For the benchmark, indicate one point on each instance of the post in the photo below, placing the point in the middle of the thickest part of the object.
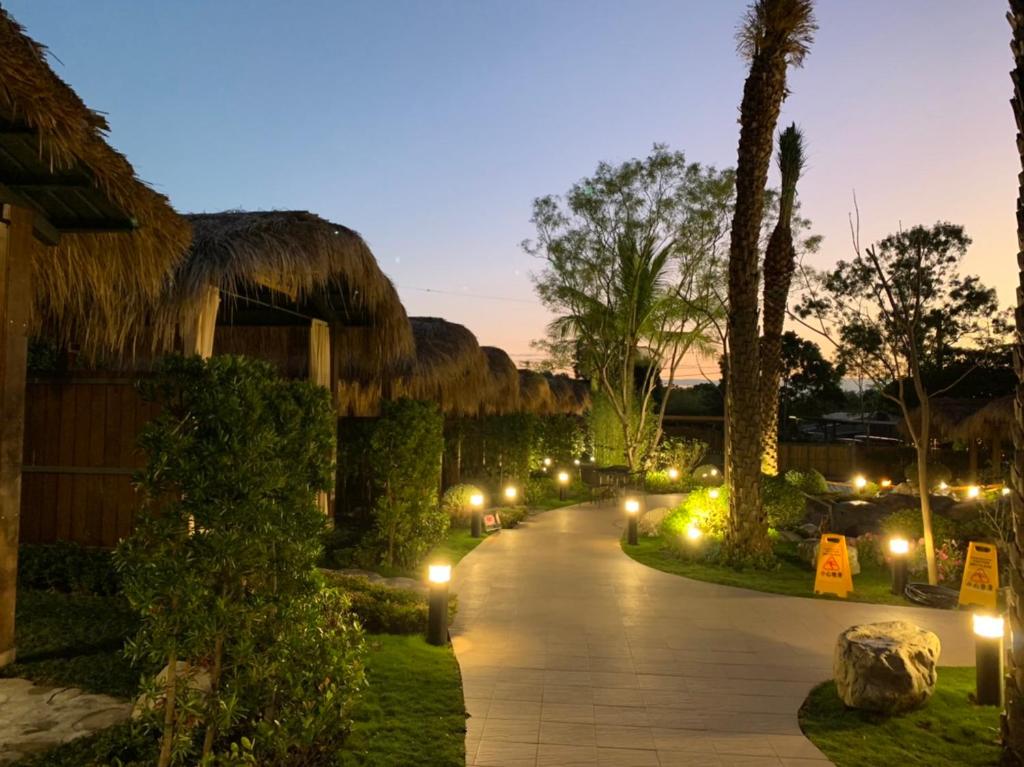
(15, 298)
(988, 659)
(437, 615)
(632, 513)
(899, 548)
(476, 502)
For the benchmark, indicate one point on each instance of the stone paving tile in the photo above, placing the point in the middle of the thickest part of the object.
(572, 654)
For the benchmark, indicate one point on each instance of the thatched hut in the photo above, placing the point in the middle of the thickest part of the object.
(85, 248)
(947, 413)
(502, 392)
(991, 424)
(449, 368)
(535, 394)
(571, 395)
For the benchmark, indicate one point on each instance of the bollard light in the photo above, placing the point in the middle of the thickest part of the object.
(593, 459)
(437, 615)
(576, 461)
(943, 486)
(563, 480)
(713, 493)
(1005, 491)
(886, 483)
(673, 473)
(714, 472)
(633, 510)
(547, 461)
(476, 501)
(899, 547)
(511, 493)
(860, 482)
(988, 659)
(973, 491)
(693, 533)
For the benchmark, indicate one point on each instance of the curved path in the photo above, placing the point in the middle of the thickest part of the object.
(573, 655)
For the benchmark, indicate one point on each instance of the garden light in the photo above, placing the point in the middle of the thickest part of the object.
(1005, 491)
(633, 510)
(988, 659)
(714, 472)
(511, 493)
(713, 493)
(593, 459)
(973, 491)
(693, 533)
(547, 461)
(673, 473)
(899, 547)
(943, 486)
(860, 482)
(437, 615)
(476, 501)
(563, 480)
(886, 483)
(576, 461)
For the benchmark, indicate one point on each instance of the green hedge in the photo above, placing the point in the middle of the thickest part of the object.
(67, 567)
(383, 609)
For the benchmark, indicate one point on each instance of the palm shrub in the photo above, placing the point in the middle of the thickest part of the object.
(221, 567)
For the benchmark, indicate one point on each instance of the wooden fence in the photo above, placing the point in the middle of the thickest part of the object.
(80, 452)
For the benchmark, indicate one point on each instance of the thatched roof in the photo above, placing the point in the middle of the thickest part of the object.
(946, 416)
(993, 420)
(535, 394)
(502, 391)
(572, 396)
(449, 369)
(116, 239)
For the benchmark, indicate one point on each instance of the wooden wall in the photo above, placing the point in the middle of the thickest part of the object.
(80, 452)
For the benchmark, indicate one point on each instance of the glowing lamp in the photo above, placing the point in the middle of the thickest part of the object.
(860, 482)
(988, 659)
(593, 459)
(632, 506)
(714, 472)
(886, 483)
(576, 461)
(547, 461)
(693, 533)
(1005, 491)
(673, 473)
(973, 491)
(899, 546)
(633, 510)
(943, 486)
(988, 626)
(713, 493)
(476, 500)
(511, 493)
(439, 573)
(563, 477)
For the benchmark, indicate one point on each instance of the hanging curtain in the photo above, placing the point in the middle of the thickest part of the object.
(320, 373)
(197, 331)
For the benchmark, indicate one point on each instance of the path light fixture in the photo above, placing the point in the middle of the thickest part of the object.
(437, 616)
(713, 493)
(714, 472)
(673, 473)
(973, 491)
(943, 486)
(860, 482)
(476, 503)
(693, 533)
(633, 512)
(1005, 491)
(576, 461)
(899, 548)
(511, 493)
(885, 483)
(563, 480)
(988, 659)
(547, 462)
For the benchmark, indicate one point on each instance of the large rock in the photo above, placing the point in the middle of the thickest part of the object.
(886, 667)
(649, 525)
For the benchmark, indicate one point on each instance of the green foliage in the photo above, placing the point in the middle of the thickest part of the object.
(562, 438)
(784, 504)
(810, 385)
(384, 609)
(702, 399)
(682, 453)
(125, 745)
(707, 509)
(810, 481)
(606, 434)
(405, 452)
(659, 482)
(67, 567)
(456, 502)
(498, 448)
(511, 516)
(907, 523)
(937, 474)
(221, 566)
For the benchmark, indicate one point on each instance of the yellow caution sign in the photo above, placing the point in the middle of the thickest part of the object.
(833, 574)
(981, 576)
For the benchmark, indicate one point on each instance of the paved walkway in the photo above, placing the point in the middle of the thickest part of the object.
(573, 655)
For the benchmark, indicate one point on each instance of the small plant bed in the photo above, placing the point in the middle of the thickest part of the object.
(949, 731)
(410, 713)
(791, 576)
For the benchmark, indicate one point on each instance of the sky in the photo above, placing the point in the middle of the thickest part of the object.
(431, 126)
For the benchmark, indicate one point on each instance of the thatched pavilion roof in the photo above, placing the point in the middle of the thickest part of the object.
(947, 413)
(993, 420)
(111, 241)
(535, 394)
(572, 396)
(449, 368)
(502, 392)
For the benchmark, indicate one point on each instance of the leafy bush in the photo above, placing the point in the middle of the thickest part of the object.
(872, 550)
(221, 566)
(907, 524)
(539, 489)
(511, 516)
(383, 609)
(708, 475)
(455, 502)
(937, 474)
(661, 482)
(784, 505)
(560, 438)
(810, 481)
(707, 509)
(683, 453)
(870, 490)
(67, 567)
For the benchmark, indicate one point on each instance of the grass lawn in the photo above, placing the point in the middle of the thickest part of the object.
(948, 732)
(792, 577)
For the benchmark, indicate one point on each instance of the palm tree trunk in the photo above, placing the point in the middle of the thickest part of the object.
(1013, 719)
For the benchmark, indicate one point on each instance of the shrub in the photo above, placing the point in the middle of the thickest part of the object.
(455, 502)
(539, 489)
(511, 516)
(221, 566)
(660, 482)
(560, 438)
(706, 508)
(383, 609)
(937, 473)
(784, 504)
(683, 453)
(810, 481)
(708, 475)
(907, 523)
(67, 567)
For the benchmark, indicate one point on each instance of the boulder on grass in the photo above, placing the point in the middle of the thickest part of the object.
(886, 667)
(649, 525)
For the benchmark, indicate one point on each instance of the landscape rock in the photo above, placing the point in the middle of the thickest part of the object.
(649, 524)
(886, 667)
(196, 679)
(857, 516)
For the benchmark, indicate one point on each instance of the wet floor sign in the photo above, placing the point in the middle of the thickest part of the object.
(981, 576)
(833, 573)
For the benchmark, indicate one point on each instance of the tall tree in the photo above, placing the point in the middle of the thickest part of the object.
(631, 268)
(1014, 718)
(779, 263)
(774, 35)
(812, 385)
(891, 310)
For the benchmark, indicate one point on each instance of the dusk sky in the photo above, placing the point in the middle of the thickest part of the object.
(430, 126)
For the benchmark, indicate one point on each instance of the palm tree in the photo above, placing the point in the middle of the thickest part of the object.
(774, 34)
(1013, 729)
(779, 263)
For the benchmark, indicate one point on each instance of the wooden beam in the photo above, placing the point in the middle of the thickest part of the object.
(15, 298)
